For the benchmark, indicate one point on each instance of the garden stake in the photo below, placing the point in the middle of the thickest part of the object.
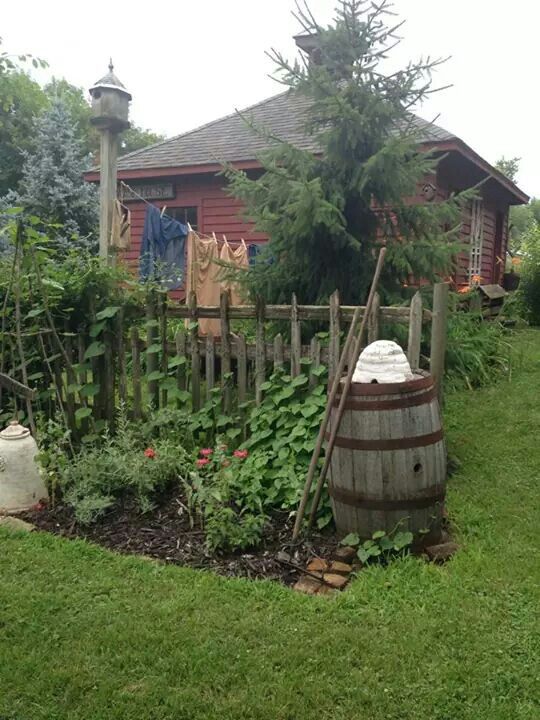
(345, 392)
(332, 395)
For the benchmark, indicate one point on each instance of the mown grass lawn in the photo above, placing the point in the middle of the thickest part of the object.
(87, 634)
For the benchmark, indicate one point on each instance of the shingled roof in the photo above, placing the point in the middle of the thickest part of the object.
(231, 139)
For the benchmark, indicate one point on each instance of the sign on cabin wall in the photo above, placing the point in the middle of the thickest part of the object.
(150, 191)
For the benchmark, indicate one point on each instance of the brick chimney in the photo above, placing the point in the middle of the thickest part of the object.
(309, 45)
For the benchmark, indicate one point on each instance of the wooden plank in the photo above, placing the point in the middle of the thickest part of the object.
(438, 334)
(333, 345)
(241, 353)
(283, 312)
(121, 357)
(415, 332)
(225, 352)
(210, 358)
(164, 346)
(374, 319)
(278, 351)
(180, 347)
(136, 374)
(71, 380)
(109, 377)
(195, 354)
(296, 339)
(315, 357)
(260, 351)
(152, 359)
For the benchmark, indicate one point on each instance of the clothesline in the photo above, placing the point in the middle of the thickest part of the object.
(232, 243)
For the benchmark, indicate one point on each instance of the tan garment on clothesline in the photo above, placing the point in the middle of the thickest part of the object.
(203, 278)
(239, 258)
(121, 227)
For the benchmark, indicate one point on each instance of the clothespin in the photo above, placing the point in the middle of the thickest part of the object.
(163, 210)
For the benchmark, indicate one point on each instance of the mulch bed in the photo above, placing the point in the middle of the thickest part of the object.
(166, 535)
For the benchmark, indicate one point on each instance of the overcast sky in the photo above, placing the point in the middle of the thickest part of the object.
(187, 63)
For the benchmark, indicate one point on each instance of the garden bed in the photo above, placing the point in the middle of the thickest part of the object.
(166, 535)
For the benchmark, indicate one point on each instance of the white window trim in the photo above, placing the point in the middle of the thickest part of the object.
(476, 240)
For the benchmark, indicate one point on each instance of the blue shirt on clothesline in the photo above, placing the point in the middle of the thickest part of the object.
(163, 246)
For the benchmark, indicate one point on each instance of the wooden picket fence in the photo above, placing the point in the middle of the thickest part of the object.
(137, 358)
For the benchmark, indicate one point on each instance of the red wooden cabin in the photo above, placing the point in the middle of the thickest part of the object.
(181, 174)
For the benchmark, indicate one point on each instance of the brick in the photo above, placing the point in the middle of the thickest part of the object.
(15, 524)
(443, 552)
(335, 581)
(345, 554)
(317, 565)
(327, 590)
(340, 568)
(307, 585)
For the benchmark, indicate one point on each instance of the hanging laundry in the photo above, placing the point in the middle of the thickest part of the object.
(203, 278)
(121, 226)
(162, 249)
(237, 258)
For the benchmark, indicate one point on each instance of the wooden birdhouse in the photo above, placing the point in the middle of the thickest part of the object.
(110, 103)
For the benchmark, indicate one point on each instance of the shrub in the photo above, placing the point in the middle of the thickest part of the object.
(529, 289)
(477, 350)
(120, 469)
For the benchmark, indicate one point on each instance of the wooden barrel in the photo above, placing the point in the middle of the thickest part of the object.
(388, 467)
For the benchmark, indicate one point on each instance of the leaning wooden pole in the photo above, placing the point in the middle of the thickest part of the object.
(345, 391)
(332, 396)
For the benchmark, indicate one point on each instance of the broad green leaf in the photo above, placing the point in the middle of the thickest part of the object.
(83, 413)
(73, 388)
(378, 535)
(89, 390)
(176, 362)
(351, 539)
(96, 328)
(106, 313)
(155, 375)
(94, 350)
(35, 312)
(155, 348)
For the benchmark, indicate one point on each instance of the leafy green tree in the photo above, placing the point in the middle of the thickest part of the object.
(509, 167)
(327, 214)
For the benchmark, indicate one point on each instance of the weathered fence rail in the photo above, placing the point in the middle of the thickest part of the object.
(159, 358)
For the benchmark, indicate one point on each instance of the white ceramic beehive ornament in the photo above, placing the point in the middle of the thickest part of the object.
(21, 485)
(382, 362)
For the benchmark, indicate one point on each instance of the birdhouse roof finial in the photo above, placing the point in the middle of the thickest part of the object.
(110, 81)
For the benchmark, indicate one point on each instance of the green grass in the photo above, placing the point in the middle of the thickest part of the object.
(87, 634)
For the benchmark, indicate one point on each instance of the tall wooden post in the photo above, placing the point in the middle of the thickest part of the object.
(110, 111)
(438, 334)
(107, 188)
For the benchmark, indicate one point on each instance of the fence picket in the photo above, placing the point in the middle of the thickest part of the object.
(121, 357)
(333, 344)
(195, 355)
(164, 347)
(415, 331)
(315, 357)
(225, 352)
(210, 364)
(278, 351)
(296, 339)
(136, 373)
(374, 318)
(152, 358)
(260, 351)
(180, 344)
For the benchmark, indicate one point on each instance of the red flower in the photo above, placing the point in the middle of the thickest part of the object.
(201, 462)
(242, 454)
(149, 453)
(206, 452)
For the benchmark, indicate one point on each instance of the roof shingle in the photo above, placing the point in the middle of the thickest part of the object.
(231, 139)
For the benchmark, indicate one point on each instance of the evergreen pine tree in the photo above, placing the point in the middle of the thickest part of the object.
(53, 187)
(326, 214)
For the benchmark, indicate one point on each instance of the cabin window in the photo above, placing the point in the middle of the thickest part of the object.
(476, 240)
(184, 215)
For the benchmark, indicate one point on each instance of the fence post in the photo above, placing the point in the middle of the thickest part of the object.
(136, 373)
(415, 331)
(164, 346)
(333, 345)
(195, 355)
(210, 364)
(225, 351)
(180, 341)
(152, 360)
(120, 349)
(438, 334)
(296, 339)
(278, 351)
(260, 350)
